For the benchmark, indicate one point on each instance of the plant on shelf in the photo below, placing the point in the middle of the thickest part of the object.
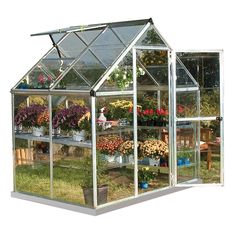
(122, 76)
(76, 118)
(153, 117)
(85, 172)
(145, 175)
(109, 144)
(184, 155)
(34, 116)
(153, 148)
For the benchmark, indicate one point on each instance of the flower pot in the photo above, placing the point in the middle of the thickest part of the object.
(118, 159)
(143, 185)
(129, 159)
(79, 136)
(109, 158)
(101, 195)
(18, 129)
(150, 122)
(38, 131)
(180, 162)
(56, 132)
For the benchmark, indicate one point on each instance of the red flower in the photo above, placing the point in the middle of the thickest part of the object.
(180, 109)
(151, 112)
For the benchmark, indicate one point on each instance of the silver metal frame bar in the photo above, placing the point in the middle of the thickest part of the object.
(13, 142)
(120, 58)
(160, 35)
(222, 115)
(151, 48)
(187, 89)
(94, 151)
(197, 118)
(50, 145)
(173, 119)
(113, 93)
(199, 51)
(135, 124)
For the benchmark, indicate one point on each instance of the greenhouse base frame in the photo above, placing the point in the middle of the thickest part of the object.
(106, 207)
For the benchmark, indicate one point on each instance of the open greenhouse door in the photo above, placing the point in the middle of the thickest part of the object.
(198, 118)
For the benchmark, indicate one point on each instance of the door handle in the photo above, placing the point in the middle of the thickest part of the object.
(219, 118)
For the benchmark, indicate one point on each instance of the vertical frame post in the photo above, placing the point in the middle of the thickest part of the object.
(94, 153)
(173, 119)
(13, 142)
(198, 161)
(135, 124)
(222, 115)
(50, 145)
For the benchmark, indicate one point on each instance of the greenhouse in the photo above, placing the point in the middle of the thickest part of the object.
(111, 116)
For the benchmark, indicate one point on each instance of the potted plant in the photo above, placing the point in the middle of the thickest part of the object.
(152, 150)
(122, 76)
(108, 146)
(127, 151)
(34, 116)
(76, 118)
(86, 179)
(144, 176)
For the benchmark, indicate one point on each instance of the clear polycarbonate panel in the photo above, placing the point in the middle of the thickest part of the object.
(90, 67)
(127, 33)
(57, 37)
(184, 78)
(115, 154)
(150, 38)
(32, 151)
(210, 149)
(72, 150)
(107, 47)
(187, 104)
(37, 78)
(205, 68)
(89, 35)
(55, 64)
(71, 46)
(72, 81)
(187, 151)
(156, 64)
(121, 78)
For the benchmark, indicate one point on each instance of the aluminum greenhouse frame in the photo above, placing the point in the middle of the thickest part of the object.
(109, 58)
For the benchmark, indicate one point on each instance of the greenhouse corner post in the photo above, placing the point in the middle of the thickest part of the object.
(135, 125)
(173, 114)
(94, 153)
(171, 117)
(13, 144)
(50, 145)
(222, 115)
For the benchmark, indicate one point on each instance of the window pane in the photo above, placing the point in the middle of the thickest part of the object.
(89, 35)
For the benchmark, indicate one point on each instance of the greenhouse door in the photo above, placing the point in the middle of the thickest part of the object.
(198, 118)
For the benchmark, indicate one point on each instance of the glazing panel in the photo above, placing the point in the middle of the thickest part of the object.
(153, 137)
(205, 68)
(210, 162)
(72, 81)
(156, 63)
(71, 46)
(115, 148)
(187, 104)
(122, 76)
(57, 37)
(187, 151)
(150, 38)
(127, 33)
(31, 124)
(90, 67)
(89, 35)
(72, 149)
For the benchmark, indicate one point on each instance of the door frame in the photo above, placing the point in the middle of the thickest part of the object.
(197, 119)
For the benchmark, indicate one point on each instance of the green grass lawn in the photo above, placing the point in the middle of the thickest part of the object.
(36, 180)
